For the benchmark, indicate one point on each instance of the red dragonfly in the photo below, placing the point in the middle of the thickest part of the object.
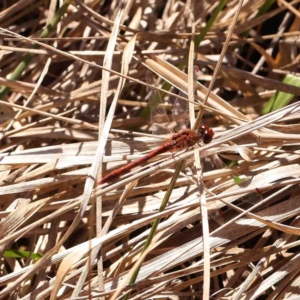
(183, 139)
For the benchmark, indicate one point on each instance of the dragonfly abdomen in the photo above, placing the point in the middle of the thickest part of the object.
(127, 168)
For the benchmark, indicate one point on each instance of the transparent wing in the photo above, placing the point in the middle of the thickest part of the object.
(161, 124)
(180, 111)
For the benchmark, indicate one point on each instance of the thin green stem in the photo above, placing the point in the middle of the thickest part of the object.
(16, 74)
(156, 222)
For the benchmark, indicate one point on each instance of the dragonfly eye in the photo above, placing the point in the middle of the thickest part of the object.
(207, 133)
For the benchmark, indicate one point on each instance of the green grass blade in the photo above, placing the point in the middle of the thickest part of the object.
(21, 254)
(156, 222)
(16, 74)
(210, 22)
(281, 99)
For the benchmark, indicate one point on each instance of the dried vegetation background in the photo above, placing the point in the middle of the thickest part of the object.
(65, 121)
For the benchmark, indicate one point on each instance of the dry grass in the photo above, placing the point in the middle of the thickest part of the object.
(65, 118)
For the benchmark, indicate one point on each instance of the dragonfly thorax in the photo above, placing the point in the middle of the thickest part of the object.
(188, 138)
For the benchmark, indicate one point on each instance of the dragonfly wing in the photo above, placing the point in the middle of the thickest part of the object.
(180, 111)
(161, 124)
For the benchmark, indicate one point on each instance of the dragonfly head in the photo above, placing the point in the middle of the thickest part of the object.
(206, 132)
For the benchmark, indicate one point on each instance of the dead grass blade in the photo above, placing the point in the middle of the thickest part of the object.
(50, 151)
